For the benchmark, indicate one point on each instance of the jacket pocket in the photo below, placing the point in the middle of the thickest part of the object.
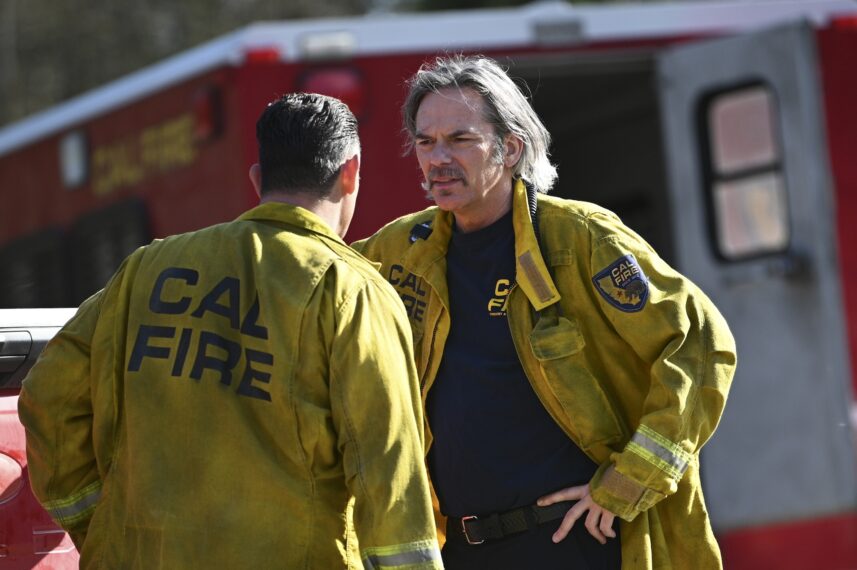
(558, 345)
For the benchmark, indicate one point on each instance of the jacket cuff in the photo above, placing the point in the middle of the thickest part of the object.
(657, 456)
(647, 471)
(621, 495)
(77, 508)
(419, 555)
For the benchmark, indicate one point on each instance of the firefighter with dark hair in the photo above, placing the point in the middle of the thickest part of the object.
(570, 376)
(243, 396)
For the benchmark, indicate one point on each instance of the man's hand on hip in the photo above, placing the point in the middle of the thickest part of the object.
(599, 521)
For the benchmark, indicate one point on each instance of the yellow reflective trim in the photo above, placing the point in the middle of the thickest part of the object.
(76, 507)
(654, 459)
(72, 499)
(674, 448)
(659, 451)
(420, 554)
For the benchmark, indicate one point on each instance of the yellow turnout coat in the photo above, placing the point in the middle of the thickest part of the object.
(239, 397)
(629, 358)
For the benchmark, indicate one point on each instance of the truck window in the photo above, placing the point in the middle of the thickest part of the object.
(742, 162)
(33, 270)
(101, 240)
(74, 159)
(604, 118)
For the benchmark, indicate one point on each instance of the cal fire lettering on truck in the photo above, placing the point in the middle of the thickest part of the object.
(156, 149)
(408, 287)
(209, 349)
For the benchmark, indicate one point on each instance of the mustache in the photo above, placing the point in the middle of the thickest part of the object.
(442, 172)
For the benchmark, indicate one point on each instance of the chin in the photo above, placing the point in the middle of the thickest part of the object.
(445, 203)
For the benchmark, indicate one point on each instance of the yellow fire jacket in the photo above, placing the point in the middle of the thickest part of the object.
(630, 359)
(239, 397)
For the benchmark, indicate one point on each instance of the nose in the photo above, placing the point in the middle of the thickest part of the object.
(440, 154)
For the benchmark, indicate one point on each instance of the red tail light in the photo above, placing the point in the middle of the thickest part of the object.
(11, 478)
(207, 114)
(262, 55)
(344, 83)
(844, 22)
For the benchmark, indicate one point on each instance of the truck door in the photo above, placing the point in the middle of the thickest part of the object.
(752, 212)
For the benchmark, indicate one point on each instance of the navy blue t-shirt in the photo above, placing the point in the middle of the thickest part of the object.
(495, 447)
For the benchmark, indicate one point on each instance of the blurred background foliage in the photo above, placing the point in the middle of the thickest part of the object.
(52, 50)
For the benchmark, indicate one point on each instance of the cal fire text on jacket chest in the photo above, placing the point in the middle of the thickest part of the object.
(408, 286)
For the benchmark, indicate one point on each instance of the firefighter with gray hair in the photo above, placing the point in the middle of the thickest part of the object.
(242, 396)
(570, 376)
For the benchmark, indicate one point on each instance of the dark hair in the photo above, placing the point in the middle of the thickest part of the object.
(506, 109)
(304, 139)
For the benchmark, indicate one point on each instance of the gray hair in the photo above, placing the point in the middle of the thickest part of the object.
(506, 109)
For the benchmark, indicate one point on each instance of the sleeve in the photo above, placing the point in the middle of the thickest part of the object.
(376, 406)
(55, 407)
(672, 326)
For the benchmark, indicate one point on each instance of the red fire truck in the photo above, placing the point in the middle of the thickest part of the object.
(724, 132)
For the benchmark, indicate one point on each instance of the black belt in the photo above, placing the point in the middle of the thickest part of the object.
(477, 529)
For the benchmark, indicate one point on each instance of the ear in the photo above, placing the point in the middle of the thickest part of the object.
(349, 175)
(256, 178)
(513, 148)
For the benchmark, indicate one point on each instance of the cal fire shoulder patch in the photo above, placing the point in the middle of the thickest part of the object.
(623, 284)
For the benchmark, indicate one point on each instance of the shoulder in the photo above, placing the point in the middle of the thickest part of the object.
(349, 262)
(395, 235)
(573, 211)
(580, 219)
(181, 241)
(350, 276)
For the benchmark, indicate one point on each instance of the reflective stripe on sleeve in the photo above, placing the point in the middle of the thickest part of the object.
(77, 507)
(660, 451)
(422, 554)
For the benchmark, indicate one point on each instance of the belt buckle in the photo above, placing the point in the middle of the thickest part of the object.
(464, 529)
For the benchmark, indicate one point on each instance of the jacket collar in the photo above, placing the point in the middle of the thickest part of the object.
(283, 213)
(427, 257)
(531, 272)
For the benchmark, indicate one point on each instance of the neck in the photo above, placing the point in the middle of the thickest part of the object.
(485, 214)
(328, 208)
